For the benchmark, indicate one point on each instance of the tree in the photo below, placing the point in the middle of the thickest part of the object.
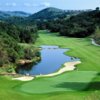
(97, 8)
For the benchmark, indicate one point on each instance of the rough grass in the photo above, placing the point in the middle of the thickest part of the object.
(82, 48)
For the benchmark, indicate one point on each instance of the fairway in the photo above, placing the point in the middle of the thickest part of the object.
(71, 81)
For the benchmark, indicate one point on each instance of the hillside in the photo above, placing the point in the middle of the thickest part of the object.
(51, 13)
(80, 25)
(22, 18)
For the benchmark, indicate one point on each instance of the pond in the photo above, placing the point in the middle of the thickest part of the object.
(52, 58)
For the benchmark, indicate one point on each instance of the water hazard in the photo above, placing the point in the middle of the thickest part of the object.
(52, 58)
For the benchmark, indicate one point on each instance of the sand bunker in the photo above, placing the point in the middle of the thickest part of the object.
(24, 78)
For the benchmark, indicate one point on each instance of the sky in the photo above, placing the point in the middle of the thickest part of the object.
(33, 6)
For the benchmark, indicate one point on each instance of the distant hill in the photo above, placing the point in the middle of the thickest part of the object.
(18, 13)
(51, 13)
(3, 15)
(6, 14)
(47, 13)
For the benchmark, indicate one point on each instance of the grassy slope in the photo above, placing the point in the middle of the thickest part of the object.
(81, 48)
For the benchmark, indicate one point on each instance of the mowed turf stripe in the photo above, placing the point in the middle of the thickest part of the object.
(71, 81)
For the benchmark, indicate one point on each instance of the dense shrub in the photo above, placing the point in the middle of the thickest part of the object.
(10, 37)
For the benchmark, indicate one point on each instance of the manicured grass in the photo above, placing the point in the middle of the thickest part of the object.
(82, 84)
(71, 81)
(8, 92)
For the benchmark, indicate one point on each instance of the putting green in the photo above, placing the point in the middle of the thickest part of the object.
(71, 81)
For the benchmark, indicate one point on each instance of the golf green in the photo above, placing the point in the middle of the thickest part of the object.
(71, 81)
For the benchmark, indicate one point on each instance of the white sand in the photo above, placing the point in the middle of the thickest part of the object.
(69, 66)
(24, 78)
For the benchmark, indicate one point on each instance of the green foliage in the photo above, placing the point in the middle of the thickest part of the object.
(30, 53)
(10, 36)
(3, 54)
(9, 48)
(80, 25)
(28, 34)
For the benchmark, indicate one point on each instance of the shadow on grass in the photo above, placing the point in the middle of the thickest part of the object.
(79, 86)
(95, 85)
